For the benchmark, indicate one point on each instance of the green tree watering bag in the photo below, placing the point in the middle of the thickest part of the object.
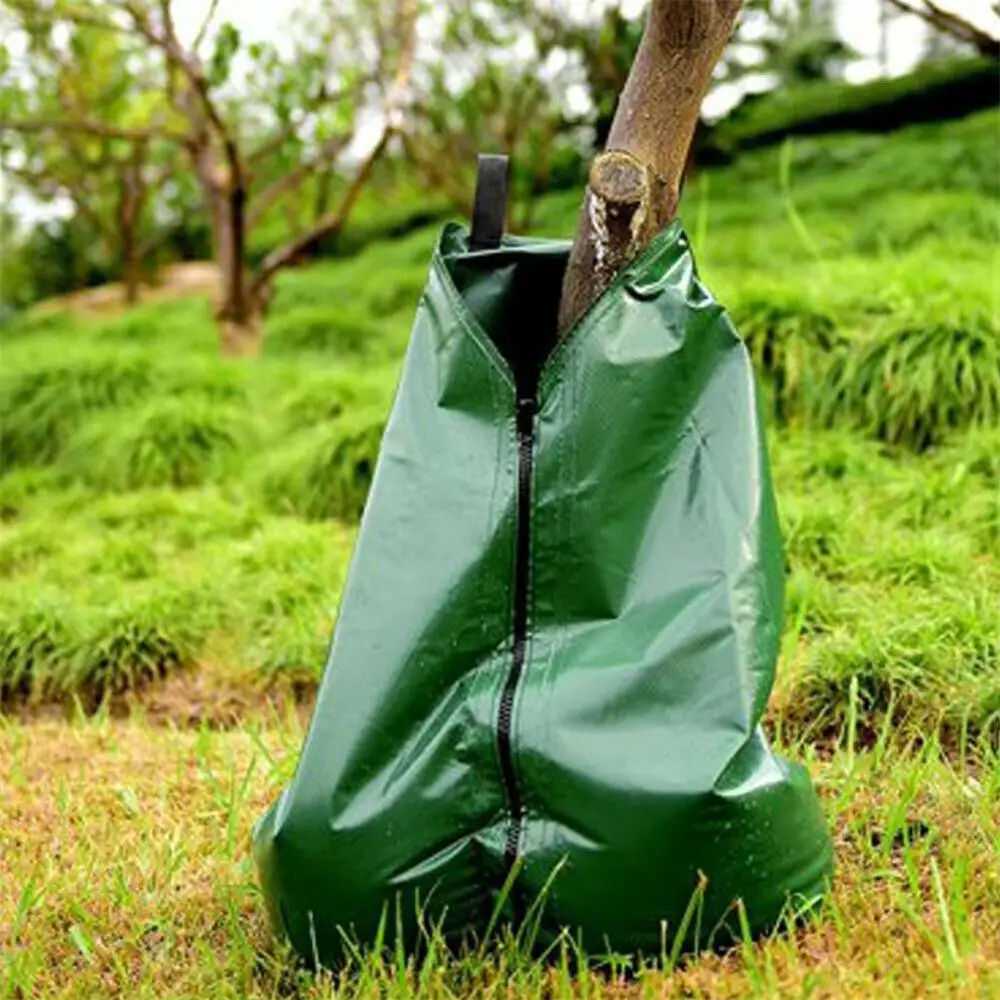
(558, 633)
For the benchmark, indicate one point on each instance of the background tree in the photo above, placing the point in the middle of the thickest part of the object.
(350, 58)
(793, 41)
(605, 45)
(107, 173)
(503, 108)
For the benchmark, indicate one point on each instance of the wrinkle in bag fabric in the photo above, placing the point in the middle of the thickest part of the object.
(558, 634)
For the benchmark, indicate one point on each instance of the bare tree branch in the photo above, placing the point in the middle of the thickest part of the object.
(167, 15)
(406, 22)
(97, 128)
(953, 24)
(74, 14)
(205, 24)
(319, 99)
(292, 180)
(331, 223)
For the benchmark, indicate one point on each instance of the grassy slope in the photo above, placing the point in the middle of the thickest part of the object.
(161, 508)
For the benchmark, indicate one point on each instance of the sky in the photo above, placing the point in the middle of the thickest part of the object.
(857, 21)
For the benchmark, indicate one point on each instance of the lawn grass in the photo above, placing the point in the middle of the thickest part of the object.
(127, 873)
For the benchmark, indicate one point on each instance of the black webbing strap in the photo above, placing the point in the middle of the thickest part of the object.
(490, 208)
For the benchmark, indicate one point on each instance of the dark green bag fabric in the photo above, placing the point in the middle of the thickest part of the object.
(558, 633)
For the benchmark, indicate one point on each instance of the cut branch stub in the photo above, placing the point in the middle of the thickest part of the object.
(626, 206)
(634, 187)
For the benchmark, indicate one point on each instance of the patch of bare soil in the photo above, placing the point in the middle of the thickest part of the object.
(190, 698)
(172, 282)
(200, 697)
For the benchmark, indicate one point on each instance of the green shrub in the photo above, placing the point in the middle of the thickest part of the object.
(208, 378)
(812, 604)
(33, 323)
(23, 547)
(822, 458)
(290, 574)
(24, 488)
(814, 536)
(401, 294)
(924, 372)
(122, 557)
(322, 284)
(976, 451)
(927, 558)
(292, 650)
(181, 441)
(94, 642)
(327, 471)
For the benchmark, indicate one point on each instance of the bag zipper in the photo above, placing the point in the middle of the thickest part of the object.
(526, 407)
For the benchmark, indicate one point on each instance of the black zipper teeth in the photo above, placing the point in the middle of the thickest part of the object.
(522, 554)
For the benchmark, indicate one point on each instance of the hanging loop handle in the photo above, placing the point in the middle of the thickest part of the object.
(489, 211)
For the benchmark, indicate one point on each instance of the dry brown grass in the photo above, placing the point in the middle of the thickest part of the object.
(124, 872)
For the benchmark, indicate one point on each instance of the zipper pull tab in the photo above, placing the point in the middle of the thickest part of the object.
(527, 406)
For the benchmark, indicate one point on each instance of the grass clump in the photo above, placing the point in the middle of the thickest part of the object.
(186, 322)
(187, 521)
(33, 637)
(291, 574)
(901, 222)
(925, 671)
(328, 394)
(96, 641)
(326, 473)
(921, 374)
(136, 638)
(180, 442)
(338, 332)
(44, 403)
(788, 334)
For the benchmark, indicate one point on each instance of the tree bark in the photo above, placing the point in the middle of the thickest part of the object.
(133, 195)
(240, 311)
(131, 269)
(634, 185)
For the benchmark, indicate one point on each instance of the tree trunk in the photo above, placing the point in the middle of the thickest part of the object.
(131, 270)
(131, 267)
(324, 181)
(239, 312)
(133, 195)
(634, 185)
